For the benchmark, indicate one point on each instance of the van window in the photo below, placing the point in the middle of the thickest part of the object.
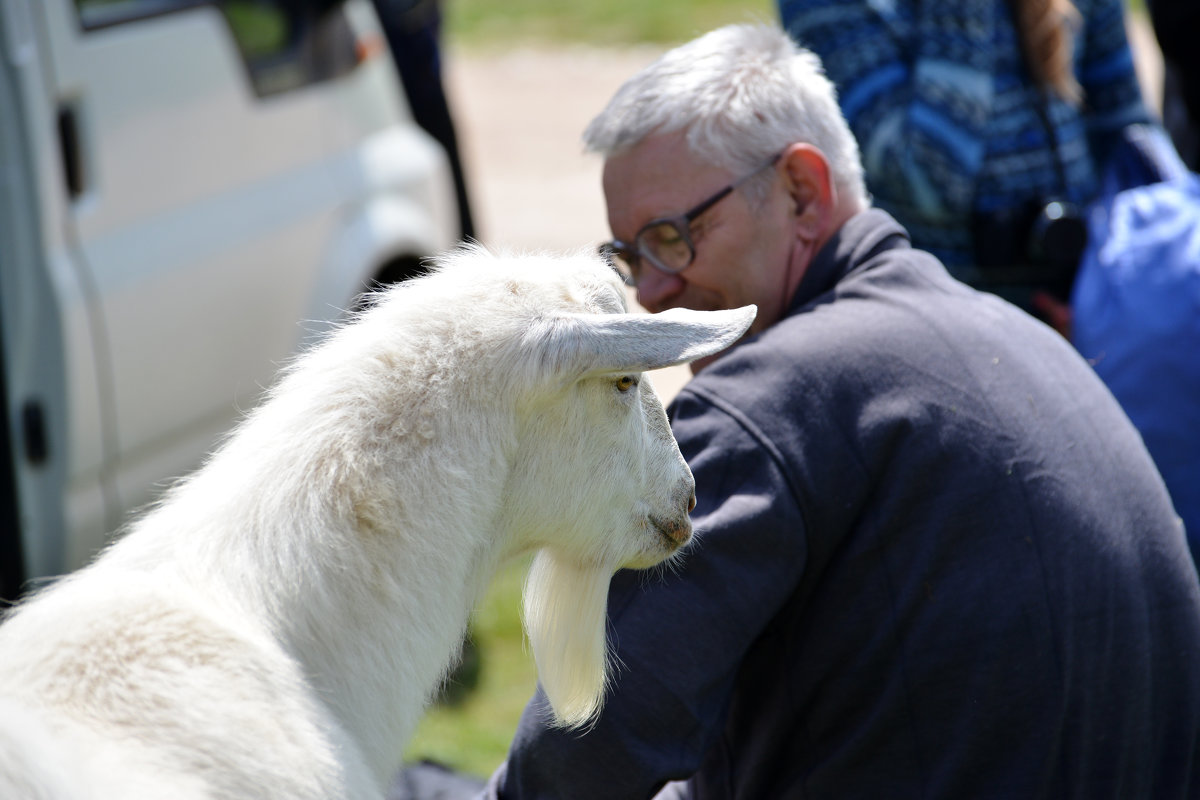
(285, 44)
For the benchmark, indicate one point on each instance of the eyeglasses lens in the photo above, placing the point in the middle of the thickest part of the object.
(666, 245)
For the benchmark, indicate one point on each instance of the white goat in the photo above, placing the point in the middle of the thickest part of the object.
(274, 628)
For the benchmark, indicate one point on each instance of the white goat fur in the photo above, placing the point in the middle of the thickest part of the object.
(275, 626)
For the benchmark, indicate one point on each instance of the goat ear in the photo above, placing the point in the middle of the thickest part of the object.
(640, 342)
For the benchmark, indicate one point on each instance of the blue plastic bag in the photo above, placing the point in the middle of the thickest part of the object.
(1136, 306)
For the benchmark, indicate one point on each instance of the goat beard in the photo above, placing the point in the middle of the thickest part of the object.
(565, 606)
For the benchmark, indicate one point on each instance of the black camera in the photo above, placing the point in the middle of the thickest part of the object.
(1038, 247)
(1055, 244)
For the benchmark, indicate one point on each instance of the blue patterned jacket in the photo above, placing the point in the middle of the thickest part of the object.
(945, 114)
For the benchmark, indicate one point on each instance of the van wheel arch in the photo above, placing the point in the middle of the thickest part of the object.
(401, 269)
(397, 270)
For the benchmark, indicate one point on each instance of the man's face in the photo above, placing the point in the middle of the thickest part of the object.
(744, 251)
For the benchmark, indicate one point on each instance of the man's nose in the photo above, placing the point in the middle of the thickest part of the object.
(655, 288)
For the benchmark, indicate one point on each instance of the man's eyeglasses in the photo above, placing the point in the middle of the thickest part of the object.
(666, 243)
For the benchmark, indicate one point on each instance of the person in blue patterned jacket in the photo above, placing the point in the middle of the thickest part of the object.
(946, 97)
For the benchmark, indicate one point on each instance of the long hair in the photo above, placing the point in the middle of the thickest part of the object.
(1047, 29)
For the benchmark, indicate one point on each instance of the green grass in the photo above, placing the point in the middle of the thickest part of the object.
(503, 23)
(510, 23)
(473, 734)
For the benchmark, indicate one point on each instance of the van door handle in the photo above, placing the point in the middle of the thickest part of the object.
(69, 146)
(33, 432)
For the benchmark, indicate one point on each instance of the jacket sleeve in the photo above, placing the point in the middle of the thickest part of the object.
(678, 633)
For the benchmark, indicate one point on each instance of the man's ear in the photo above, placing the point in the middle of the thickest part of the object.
(811, 189)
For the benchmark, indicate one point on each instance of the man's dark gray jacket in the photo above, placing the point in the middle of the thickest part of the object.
(934, 560)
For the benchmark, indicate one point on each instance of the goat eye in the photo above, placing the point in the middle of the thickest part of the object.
(626, 382)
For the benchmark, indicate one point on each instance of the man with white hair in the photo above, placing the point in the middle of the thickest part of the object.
(934, 559)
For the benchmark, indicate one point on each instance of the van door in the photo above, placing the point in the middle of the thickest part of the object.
(200, 200)
(52, 442)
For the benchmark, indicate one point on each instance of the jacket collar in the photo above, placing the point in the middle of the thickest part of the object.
(856, 242)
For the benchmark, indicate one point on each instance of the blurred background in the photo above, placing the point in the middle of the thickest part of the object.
(191, 189)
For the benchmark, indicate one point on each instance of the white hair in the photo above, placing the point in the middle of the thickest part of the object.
(742, 93)
(274, 628)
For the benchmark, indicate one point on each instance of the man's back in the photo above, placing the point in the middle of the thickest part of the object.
(934, 560)
(992, 596)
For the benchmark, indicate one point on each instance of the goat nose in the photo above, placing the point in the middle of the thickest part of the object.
(678, 531)
(692, 503)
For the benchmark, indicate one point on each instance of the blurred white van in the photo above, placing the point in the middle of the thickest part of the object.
(189, 190)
